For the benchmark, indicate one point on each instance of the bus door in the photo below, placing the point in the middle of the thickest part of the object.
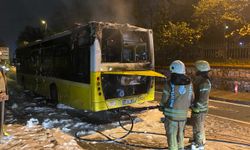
(61, 70)
(80, 70)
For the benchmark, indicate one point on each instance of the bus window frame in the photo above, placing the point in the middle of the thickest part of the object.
(75, 50)
(122, 45)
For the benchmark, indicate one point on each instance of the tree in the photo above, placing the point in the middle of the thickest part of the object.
(173, 39)
(215, 12)
(219, 18)
(178, 34)
(151, 13)
(245, 30)
(164, 17)
(170, 21)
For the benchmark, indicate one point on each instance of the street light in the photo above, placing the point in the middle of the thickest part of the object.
(226, 39)
(226, 27)
(241, 44)
(45, 25)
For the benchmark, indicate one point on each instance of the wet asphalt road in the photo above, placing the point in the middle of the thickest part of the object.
(232, 111)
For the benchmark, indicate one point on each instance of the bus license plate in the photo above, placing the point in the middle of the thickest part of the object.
(127, 101)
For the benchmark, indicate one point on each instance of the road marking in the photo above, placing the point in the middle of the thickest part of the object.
(218, 101)
(244, 122)
(227, 142)
(223, 102)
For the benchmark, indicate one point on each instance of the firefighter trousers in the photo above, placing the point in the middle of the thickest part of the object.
(175, 134)
(198, 121)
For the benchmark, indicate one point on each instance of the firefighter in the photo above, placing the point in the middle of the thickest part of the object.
(175, 102)
(202, 87)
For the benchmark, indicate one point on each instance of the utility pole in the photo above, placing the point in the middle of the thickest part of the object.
(226, 40)
(44, 23)
(2, 121)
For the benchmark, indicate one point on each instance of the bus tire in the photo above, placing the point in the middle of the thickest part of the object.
(53, 95)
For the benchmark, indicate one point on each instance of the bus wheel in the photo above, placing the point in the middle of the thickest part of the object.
(53, 95)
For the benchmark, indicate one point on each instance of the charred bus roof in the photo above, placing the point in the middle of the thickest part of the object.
(94, 27)
(117, 26)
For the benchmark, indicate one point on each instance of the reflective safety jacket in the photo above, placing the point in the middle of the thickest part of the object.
(202, 88)
(176, 100)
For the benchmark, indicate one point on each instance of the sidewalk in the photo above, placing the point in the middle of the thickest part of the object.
(229, 96)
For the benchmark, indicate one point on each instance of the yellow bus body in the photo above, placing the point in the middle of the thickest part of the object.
(70, 67)
(85, 96)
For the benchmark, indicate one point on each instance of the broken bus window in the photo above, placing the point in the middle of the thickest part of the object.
(124, 47)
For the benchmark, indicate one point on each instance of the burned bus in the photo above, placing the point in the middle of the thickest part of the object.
(97, 66)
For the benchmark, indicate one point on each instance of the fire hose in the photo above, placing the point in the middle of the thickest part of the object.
(130, 131)
(118, 140)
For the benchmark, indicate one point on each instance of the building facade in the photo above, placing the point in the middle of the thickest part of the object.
(4, 55)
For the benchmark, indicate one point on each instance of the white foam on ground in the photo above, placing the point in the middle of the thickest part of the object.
(65, 121)
(115, 124)
(48, 124)
(62, 106)
(39, 109)
(39, 98)
(32, 122)
(136, 120)
(6, 139)
(53, 113)
(81, 133)
(65, 129)
(79, 124)
(14, 106)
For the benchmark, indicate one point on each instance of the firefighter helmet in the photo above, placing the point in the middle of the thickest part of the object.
(178, 67)
(202, 66)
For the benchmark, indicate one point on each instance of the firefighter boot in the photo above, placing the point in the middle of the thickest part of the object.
(194, 146)
(201, 147)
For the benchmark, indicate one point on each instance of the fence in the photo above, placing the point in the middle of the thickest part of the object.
(216, 52)
(226, 51)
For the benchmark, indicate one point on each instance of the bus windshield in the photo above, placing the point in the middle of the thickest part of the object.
(124, 46)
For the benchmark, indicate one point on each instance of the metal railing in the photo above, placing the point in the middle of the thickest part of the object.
(219, 53)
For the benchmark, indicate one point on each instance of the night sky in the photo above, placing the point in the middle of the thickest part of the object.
(16, 14)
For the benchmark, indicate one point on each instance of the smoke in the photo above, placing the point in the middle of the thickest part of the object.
(111, 10)
(60, 14)
(79, 11)
(120, 10)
